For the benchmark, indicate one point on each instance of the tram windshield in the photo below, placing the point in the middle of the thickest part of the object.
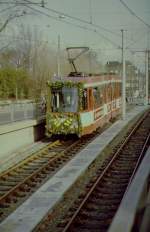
(65, 100)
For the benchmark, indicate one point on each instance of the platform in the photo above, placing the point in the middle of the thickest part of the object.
(32, 211)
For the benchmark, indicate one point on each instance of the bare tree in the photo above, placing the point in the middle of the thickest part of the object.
(10, 18)
(11, 13)
(7, 16)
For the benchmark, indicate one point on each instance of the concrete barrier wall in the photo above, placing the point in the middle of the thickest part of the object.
(15, 135)
(20, 111)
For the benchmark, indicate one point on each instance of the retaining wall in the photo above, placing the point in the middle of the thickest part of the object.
(15, 135)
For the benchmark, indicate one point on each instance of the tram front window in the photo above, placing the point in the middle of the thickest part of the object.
(65, 100)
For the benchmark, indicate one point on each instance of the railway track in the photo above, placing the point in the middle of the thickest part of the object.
(94, 210)
(20, 181)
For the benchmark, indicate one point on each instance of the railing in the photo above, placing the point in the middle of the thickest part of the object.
(135, 100)
(19, 111)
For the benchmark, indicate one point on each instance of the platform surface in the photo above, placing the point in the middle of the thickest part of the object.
(32, 211)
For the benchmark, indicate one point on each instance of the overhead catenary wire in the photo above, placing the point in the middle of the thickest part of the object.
(8, 8)
(58, 18)
(135, 41)
(86, 22)
(19, 3)
(78, 19)
(90, 23)
(16, 38)
(134, 14)
(109, 40)
(76, 25)
(73, 24)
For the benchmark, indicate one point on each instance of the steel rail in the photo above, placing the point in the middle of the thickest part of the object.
(31, 158)
(65, 229)
(38, 172)
(13, 192)
(138, 162)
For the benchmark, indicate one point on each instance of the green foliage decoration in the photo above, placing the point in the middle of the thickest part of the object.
(68, 123)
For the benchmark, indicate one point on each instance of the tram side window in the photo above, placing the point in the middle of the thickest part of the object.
(105, 93)
(113, 91)
(119, 90)
(115, 95)
(97, 97)
(102, 94)
(57, 100)
(84, 100)
(109, 92)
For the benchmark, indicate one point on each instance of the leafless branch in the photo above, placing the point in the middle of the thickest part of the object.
(3, 48)
(10, 18)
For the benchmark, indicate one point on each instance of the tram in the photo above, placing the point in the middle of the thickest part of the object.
(80, 104)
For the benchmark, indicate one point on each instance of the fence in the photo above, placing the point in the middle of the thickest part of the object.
(135, 100)
(13, 112)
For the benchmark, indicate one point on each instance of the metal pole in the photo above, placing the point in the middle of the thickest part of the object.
(123, 79)
(90, 10)
(90, 63)
(146, 78)
(58, 57)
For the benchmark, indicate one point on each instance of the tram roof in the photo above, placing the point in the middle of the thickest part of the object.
(87, 79)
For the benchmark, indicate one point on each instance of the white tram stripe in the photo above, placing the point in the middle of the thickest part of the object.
(95, 84)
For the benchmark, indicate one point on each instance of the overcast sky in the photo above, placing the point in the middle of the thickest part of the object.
(107, 18)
